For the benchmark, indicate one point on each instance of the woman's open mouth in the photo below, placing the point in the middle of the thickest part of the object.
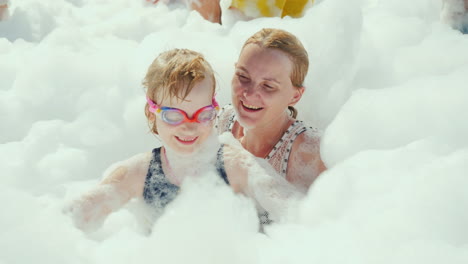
(250, 108)
(186, 140)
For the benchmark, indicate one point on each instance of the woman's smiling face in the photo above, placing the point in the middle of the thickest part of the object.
(261, 87)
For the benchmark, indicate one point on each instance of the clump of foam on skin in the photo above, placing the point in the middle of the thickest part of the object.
(306, 171)
(269, 190)
(89, 217)
(90, 211)
(195, 164)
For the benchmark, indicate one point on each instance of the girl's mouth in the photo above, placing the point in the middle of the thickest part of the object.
(186, 140)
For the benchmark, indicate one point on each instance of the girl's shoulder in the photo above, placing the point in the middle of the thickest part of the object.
(133, 168)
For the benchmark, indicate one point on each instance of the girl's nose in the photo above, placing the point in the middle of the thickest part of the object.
(189, 127)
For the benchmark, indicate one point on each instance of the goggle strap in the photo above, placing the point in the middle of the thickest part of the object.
(153, 107)
(215, 103)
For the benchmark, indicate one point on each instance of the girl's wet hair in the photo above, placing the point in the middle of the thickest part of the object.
(172, 75)
(271, 38)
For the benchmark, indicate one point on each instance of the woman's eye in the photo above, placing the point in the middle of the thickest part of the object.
(243, 78)
(269, 87)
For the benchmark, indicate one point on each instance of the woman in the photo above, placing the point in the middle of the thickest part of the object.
(267, 83)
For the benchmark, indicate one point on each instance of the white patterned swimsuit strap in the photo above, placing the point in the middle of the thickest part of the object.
(288, 138)
(279, 155)
(231, 122)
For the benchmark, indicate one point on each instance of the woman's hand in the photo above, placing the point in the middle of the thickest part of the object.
(256, 178)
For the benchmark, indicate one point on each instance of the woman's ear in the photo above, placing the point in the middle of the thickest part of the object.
(297, 95)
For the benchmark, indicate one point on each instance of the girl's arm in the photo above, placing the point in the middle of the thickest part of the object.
(124, 182)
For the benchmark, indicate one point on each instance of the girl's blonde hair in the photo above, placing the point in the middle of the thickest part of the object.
(271, 38)
(173, 74)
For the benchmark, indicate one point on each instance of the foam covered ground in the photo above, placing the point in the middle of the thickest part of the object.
(387, 84)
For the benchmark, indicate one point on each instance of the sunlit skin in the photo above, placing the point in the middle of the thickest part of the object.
(187, 137)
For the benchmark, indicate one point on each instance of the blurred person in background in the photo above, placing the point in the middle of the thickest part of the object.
(247, 9)
(208, 9)
(455, 13)
(4, 13)
(279, 8)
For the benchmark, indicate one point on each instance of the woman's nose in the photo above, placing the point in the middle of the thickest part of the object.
(248, 90)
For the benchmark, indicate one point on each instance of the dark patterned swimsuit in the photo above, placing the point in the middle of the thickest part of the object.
(158, 191)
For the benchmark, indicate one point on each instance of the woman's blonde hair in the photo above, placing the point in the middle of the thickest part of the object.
(271, 38)
(173, 74)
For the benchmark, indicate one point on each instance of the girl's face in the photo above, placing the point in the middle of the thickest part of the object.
(186, 138)
(261, 87)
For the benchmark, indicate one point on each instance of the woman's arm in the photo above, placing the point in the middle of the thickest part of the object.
(276, 195)
(124, 182)
(257, 179)
(305, 164)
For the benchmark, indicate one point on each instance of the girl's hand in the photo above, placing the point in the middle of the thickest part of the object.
(90, 210)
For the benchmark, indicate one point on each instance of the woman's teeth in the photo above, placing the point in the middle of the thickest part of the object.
(251, 106)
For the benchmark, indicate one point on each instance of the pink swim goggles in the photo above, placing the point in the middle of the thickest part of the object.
(176, 116)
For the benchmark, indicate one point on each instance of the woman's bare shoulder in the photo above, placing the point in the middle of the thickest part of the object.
(305, 162)
(308, 141)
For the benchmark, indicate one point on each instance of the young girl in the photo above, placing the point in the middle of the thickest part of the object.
(180, 109)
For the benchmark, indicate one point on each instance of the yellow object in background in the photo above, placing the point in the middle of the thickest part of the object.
(271, 8)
